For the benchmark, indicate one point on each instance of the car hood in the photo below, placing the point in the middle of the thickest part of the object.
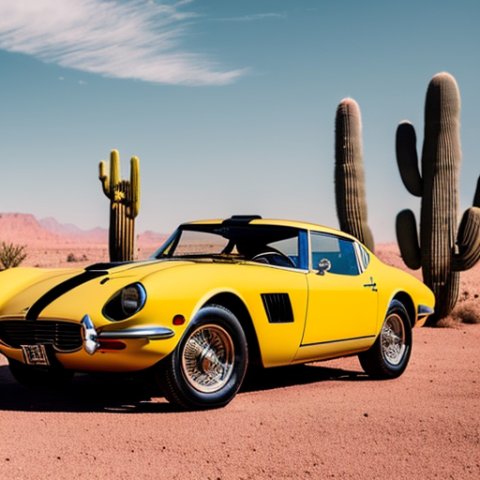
(29, 292)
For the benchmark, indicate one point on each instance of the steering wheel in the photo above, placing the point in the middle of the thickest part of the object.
(274, 258)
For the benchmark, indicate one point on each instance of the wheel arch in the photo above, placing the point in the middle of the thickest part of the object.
(409, 305)
(233, 303)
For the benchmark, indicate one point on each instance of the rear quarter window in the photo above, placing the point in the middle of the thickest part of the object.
(364, 256)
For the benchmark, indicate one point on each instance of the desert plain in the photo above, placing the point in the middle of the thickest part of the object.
(323, 420)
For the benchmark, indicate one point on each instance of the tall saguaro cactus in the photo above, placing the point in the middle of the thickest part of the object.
(349, 175)
(124, 198)
(443, 252)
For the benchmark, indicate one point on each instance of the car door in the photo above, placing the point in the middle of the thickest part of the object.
(342, 295)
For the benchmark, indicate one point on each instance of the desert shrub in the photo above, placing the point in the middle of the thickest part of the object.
(467, 312)
(11, 255)
(71, 258)
(448, 322)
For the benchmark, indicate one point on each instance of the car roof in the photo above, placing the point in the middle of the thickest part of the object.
(256, 220)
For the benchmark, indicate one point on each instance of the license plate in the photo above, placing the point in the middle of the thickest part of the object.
(35, 355)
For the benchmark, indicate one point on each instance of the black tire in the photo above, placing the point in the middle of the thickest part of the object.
(389, 355)
(208, 366)
(40, 378)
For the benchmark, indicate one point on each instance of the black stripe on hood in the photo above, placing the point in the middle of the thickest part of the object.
(60, 289)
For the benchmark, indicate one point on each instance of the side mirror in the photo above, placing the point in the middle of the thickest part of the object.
(324, 266)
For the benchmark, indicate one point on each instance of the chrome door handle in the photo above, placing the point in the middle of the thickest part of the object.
(371, 285)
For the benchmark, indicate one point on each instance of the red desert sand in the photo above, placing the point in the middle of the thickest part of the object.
(324, 420)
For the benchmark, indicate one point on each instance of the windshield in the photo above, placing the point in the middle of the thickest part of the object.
(245, 242)
(191, 242)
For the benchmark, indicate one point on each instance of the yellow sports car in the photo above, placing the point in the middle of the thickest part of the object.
(217, 297)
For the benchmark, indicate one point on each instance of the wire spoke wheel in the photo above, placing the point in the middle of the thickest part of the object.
(208, 358)
(388, 357)
(393, 339)
(208, 366)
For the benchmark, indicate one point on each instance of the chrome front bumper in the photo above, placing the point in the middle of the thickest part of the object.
(91, 338)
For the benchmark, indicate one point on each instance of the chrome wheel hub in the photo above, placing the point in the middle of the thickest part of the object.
(393, 339)
(208, 358)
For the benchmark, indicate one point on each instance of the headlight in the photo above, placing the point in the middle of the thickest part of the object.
(125, 303)
(132, 299)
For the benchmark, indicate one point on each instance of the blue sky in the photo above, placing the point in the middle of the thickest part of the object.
(230, 105)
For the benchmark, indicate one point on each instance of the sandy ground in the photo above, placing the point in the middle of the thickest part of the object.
(319, 421)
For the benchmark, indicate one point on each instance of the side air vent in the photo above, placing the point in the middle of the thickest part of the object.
(278, 307)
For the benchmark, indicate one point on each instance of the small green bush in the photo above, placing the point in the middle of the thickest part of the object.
(11, 255)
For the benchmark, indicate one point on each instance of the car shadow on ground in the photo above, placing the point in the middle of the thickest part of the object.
(279, 377)
(124, 394)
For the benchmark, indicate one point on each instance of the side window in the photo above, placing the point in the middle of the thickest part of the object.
(338, 251)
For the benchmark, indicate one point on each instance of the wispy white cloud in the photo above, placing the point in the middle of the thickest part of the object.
(137, 39)
(252, 17)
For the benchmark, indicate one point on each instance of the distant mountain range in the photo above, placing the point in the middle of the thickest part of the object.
(25, 229)
(50, 224)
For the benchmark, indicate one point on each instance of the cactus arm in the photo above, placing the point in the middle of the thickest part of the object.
(134, 186)
(104, 178)
(407, 238)
(114, 169)
(407, 158)
(468, 241)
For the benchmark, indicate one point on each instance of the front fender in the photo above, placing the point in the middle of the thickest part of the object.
(397, 283)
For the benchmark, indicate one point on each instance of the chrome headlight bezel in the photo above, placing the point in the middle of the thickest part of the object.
(127, 302)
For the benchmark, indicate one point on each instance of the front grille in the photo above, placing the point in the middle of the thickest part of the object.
(64, 336)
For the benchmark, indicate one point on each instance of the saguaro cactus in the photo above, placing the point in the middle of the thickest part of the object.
(349, 175)
(442, 252)
(124, 198)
